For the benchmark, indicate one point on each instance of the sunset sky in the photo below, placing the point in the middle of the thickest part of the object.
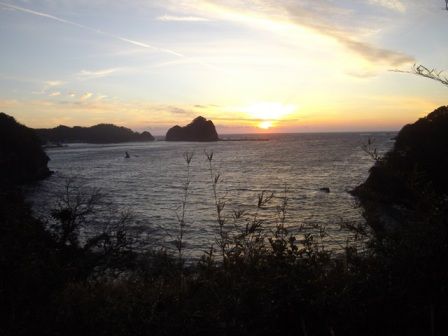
(250, 66)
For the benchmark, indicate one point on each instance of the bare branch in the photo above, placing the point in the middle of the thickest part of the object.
(423, 71)
(371, 149)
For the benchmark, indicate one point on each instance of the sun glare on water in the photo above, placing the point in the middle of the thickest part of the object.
(268, 114)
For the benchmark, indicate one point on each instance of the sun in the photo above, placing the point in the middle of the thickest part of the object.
(265, 125)
(267, 113)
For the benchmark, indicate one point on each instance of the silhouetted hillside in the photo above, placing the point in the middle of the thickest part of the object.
(414, 173)
(200, 129)
(21, 156)
(102, 133)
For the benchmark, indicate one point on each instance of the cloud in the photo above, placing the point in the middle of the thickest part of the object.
(54, 94)
(47, 85)
(182, 18)
(396, 5)
(177, 110)
(205, 106)
(97, 31)
(85, 96)
(101, 97)
(93, 74)
(342, 23)
(361, 73)
(52, 83)
(7, 103)
(319, 23)
(376, 55)
(113, 36)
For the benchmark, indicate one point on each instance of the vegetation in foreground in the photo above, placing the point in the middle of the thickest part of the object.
(255, 281)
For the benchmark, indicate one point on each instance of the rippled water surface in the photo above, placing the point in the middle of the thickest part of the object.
(150, 182)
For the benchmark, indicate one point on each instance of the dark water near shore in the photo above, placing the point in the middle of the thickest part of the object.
(150, 182)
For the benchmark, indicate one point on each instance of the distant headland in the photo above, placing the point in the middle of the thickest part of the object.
(98, 134)
(200, 129)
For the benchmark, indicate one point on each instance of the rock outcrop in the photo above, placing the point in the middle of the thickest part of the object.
(200, 129)
(22, 159)
(102, 133)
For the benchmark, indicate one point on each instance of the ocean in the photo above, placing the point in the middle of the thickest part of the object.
(150, 184)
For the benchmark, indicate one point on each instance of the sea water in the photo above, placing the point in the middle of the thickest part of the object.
(150, 184)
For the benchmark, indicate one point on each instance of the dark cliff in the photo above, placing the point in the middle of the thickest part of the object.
(413, 176)
(200, 129)
(22, 159)
(102, 133)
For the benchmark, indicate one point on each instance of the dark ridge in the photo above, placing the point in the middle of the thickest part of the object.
(417, 167)
(99, 134)
(200, 129)
(22, 160)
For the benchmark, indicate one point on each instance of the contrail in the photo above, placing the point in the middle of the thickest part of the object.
(120, 38)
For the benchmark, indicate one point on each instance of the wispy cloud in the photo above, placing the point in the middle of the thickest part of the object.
(7, 103)
(97, 31)
(182, 18)
(48, 85)
(101, 97)
(361, 73)
(93, 74)
(374, 54)
(324, 18)
(53, 83)
(396, 5)
(85, 96)
(54, 94)
(318, 23)
(133, 42)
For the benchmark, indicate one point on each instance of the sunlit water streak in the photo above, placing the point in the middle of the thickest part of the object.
(150, 182)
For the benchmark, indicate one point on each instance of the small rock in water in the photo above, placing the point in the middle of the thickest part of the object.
(326, 189)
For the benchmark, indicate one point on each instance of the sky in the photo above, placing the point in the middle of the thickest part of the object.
(248, 65)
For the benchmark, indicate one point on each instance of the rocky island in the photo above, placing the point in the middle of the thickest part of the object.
(98, 134)
(200, 129)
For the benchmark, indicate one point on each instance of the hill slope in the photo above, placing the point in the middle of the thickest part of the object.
(22, 159)
(102, 133)
(413, 176)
